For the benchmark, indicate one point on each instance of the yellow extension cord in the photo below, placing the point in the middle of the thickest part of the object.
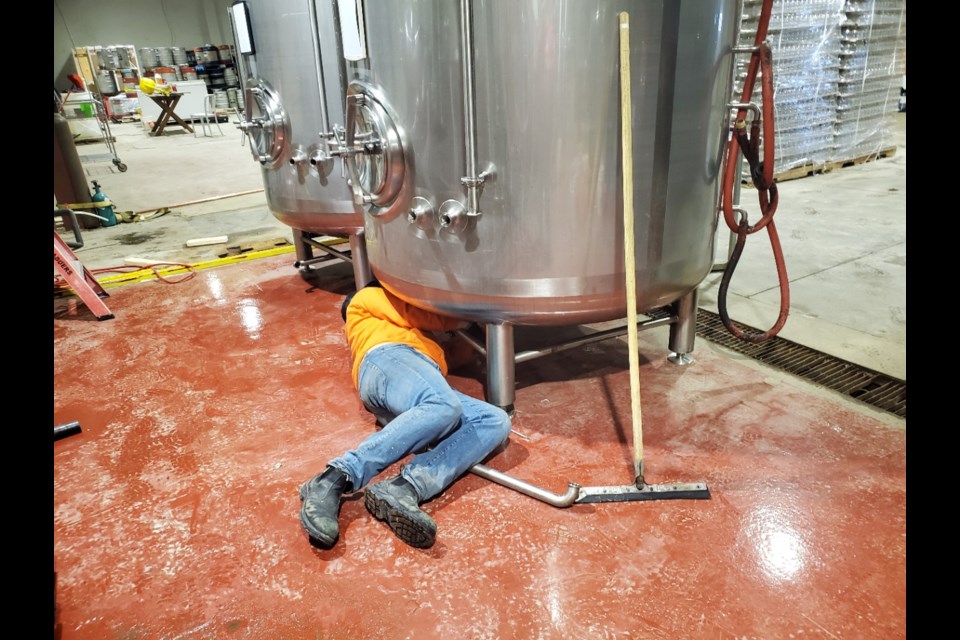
(86, 205)
(149, 273)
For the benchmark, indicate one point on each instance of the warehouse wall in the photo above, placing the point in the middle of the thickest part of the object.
(142, 23)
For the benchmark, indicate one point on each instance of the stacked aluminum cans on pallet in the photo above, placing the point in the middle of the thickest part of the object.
(872, 38)
(836, 68)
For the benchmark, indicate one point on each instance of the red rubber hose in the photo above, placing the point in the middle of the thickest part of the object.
(763, 179)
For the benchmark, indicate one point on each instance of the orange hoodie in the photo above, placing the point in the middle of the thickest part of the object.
(375, 316)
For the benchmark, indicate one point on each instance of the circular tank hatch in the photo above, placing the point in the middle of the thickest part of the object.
(267, 125)
(376, 159)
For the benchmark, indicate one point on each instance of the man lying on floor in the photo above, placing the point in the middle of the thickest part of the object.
(400, 373)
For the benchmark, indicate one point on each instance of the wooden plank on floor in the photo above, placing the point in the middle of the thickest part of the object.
(251, 247)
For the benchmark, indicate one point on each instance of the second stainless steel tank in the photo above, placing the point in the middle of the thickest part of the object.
(293, 100)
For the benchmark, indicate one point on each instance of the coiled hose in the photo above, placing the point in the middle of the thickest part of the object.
(761, 172)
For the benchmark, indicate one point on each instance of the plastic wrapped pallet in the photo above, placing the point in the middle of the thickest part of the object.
(871, 68)
(833, 62)
(804, 37)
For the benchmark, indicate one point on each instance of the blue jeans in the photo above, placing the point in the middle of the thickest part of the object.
(449, 431)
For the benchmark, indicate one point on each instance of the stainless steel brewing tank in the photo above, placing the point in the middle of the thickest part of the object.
(294, 89)
(548, 246)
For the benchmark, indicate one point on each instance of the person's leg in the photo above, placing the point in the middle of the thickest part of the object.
(396, 380)
(320, 510)
(483, 427)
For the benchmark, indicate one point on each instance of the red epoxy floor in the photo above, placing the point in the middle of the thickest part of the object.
(204, 405)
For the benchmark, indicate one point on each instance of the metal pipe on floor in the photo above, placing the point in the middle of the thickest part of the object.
(554, 499)
(64, 430)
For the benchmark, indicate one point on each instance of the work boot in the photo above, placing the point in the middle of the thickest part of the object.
(321, 506)
(396, 502)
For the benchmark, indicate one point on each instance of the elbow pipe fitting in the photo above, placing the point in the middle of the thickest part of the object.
(553, 499)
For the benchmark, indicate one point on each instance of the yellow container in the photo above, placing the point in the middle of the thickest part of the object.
(149, 86)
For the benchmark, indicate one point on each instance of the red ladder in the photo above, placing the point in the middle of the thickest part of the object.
(79, 278)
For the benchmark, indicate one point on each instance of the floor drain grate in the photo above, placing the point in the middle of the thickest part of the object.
(868, 386)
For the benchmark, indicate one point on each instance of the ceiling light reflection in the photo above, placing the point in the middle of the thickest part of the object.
(251, 318)
(778, 543)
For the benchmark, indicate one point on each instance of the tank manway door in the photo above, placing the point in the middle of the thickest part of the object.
(267, 125)
(374, 153)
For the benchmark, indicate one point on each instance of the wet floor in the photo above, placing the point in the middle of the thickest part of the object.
(205, 404)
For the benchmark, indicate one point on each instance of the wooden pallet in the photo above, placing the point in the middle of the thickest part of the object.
(826, 167)
(883, 153)
(802, 171)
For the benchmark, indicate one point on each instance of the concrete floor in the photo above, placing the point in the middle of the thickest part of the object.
(844, 238)
(175, 509)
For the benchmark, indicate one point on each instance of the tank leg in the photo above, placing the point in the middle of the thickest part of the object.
(304, 250)
(501, 388)
(684, 330)
(361, 265)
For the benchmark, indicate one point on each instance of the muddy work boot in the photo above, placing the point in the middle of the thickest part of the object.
(321, 506)
(396, 502)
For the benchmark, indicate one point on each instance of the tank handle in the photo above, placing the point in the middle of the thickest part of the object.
(380, 144)
(349, 151)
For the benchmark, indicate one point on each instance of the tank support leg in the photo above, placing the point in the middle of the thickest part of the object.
(684, 330)
(500, 366)
(361, 265)
(304, 250)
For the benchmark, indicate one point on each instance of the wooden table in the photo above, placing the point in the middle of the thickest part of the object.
(167, 104)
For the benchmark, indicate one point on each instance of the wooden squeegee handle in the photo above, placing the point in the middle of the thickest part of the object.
(629, 256)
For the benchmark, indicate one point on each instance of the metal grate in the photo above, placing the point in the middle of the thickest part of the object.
(868, 386)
